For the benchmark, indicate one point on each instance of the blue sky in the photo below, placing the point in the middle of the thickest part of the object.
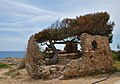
(19, 19)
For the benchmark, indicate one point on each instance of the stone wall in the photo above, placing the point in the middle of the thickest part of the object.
(96, 57)
(33, 59)
(97, 53)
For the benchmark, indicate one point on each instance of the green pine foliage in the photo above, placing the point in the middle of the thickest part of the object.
(94, 24)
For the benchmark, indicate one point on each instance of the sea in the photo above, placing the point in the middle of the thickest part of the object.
(12, 54)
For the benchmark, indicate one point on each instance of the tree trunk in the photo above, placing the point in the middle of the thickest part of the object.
(54, 59)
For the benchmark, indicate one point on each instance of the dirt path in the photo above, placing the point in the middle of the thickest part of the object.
(23, 78)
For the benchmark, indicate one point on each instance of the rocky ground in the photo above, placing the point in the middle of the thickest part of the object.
(23, 78)
(10, 60)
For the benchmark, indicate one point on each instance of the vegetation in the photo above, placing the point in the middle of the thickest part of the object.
(95, 24)
(2, 78)
(12, 74)
(117, 65)
(60, 31)
(116, 55)
(4, 65)
(44, 54)
(116, 58)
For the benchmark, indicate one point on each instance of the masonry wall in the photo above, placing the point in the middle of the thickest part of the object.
(96, 57)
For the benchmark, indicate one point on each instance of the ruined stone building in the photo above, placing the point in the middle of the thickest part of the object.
(96, 58)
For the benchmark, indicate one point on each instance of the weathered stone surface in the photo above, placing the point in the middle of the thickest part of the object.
(72, 69)
(63, 61)
(46, 72)
(34, 59)
(96, 57)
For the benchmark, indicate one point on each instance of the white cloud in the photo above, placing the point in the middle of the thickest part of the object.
(22, 9)
(20, 29)
(24, 14)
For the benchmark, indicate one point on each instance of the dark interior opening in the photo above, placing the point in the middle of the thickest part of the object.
(94, 45)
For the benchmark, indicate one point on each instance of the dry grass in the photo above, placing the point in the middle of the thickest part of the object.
(117, 65)
(12, 74)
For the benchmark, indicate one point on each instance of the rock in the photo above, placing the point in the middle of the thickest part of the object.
(10, 61)
(63, 61)
(72, 69)
(61, 67)
(46, 72)
(53, 70)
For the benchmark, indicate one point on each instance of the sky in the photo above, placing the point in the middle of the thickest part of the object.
(19, 19)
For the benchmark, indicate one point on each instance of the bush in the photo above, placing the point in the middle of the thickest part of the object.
(70, 47)
(116, 56)
(3, 65)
